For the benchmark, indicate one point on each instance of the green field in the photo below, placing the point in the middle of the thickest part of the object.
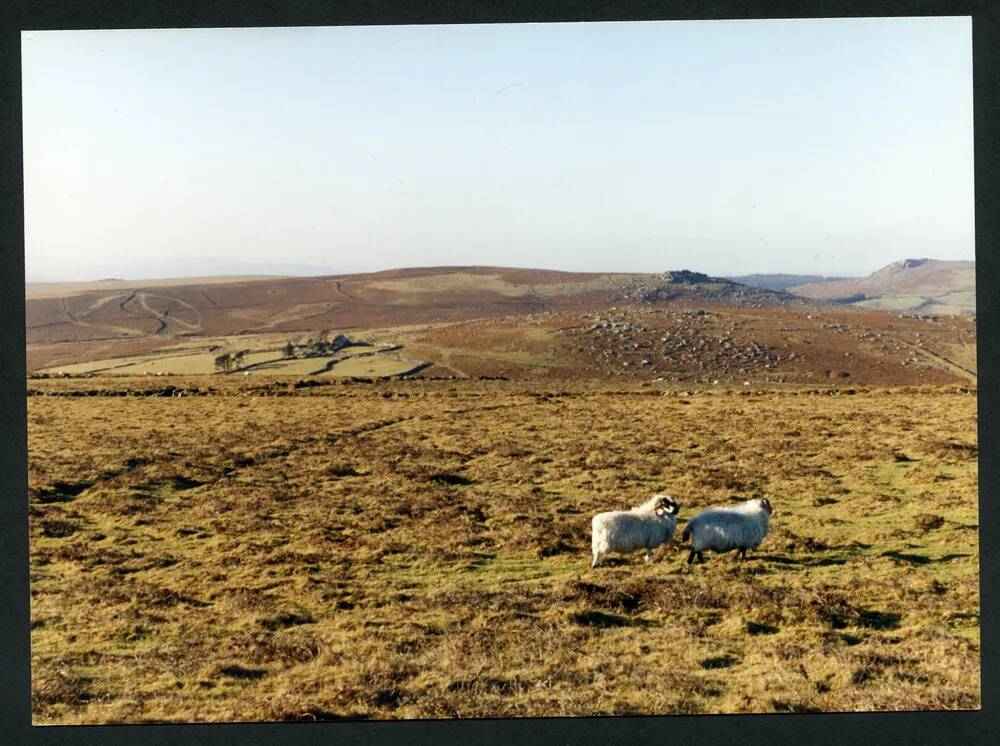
(371, 366)
(193, 362)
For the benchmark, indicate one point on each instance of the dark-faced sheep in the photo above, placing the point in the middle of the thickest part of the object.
(723, 529)
(645, 527)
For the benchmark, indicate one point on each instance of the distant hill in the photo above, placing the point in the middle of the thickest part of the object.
(929, 286)
(781, 282)
(131, 310)
(493, 321)
(135, 315)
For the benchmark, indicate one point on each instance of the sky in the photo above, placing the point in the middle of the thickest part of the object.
(826, 146)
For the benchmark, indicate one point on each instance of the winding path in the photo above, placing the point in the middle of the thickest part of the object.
(164, 317)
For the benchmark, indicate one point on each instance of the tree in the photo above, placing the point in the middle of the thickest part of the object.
(239, 358)
(224, 362)
(289, 349)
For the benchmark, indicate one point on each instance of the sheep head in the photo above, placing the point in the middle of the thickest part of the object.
(666, 505)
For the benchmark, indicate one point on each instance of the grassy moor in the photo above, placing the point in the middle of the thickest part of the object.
(410, 538)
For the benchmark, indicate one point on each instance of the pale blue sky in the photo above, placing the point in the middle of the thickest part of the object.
(808, 146)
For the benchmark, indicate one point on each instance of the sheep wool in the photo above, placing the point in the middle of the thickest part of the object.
(644, 527)
(723, 529)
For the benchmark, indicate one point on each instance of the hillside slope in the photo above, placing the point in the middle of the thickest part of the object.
(166, 310)
(926, 285)
(516, 323)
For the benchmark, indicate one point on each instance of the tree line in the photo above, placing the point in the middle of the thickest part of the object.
(227, 362)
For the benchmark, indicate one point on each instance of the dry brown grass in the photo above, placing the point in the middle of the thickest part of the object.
(421, 549)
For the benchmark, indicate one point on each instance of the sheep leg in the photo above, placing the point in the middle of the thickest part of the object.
(691, 557)
(743, 552)
(649, 555)
(701, 558)
(597, 560)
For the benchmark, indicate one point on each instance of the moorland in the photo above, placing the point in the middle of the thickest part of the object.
(378, 542)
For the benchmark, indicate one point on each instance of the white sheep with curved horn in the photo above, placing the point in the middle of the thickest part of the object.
(723, 529)
(644, 527)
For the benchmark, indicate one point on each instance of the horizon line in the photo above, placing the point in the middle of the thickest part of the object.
(454, 267)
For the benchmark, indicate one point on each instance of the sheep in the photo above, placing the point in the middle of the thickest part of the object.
(645, 527)
(722, 529)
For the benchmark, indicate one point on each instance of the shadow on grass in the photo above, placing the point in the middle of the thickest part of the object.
(317, 714)
(879, 619)
(922, 559)
(451, 479)
(596, 618)
(844, 616)
(241, 672)
(782, 706)
(180, 484)
(615, 561)
(720, 661)
(61, 492)
(779, 559)
(757, 628)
